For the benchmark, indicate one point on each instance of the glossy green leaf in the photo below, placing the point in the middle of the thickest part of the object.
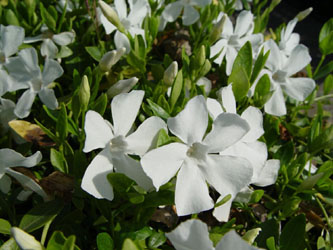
(157, 110)
(176, 89)
(47, 17)
(94, 52)
(262, 91)
(259, 64)
(156, 239)
(104, 241)
(58, 160)
(41, 214)
(120, 182)
(4, 226)
(62, 123)
(129, 245)
(293, 234)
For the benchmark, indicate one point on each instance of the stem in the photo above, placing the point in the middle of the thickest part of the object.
(45, 230)
(323, 97)
(319, 65)
(322, 209)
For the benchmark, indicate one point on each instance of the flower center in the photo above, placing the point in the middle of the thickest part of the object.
(233, 40)
(126, 23)
(279, 76)
(36, 84)
(118, 144)
(197, 151)
(47, 34)
(2, 58)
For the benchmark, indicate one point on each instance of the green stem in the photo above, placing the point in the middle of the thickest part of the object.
(320, 98)
(322, 209)
(319, 65)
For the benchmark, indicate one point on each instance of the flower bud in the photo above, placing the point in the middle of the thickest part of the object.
(217, 29)
(122, 86)
(170, 73)
(111, 15)
(202, 55)
(303, 14)
(111, 58)
(84, 93)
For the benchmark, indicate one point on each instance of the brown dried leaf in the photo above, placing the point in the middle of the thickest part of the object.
(31, 133)
(165, 215)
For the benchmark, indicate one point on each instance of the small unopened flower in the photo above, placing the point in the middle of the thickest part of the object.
(24, 240)
(84, 92)
(170, 73)
(111, 58)
(122, 86)
(111, 15)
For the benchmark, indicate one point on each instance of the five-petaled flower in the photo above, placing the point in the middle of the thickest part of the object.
(197, 160)
(118, 142)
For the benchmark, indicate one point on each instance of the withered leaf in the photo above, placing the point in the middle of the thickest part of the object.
(31, 133)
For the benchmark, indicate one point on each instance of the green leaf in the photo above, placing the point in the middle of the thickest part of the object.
(156, 239)
(5, 226)
(270, 242)
(47, 131)
(176, 89)
(323, 141)
(285, 153)
(129, 245)
(56, 241)
(240, 83)
(11, 18)
(10, 245)
(309, 182)
(38, 216)
(120, 182)
(94, 52)
(100, 104)
(324, 71)
(158, 110)
(328, 84)
(47, 17)
(259, 65)
(326, 30)
(256, 196)
(136, 198)
(326, 45)
(104, 241)
(136, 61)
(53, 12)
(244, 59)
(262, 91)
(70, 243)
(62, 123)
(58, 160)
(293, 234)
(270, 229)
(64, 52)
(162, 138)
(224, 200)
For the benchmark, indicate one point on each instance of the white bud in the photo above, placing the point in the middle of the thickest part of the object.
(170, 73)
(217, 29)
(303, 14)
(111, 15)
(111, 58)
(122, 86)
(25, 240)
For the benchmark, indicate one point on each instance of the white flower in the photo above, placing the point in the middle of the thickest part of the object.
(281, 69)
(111, 58)
(190, 15)
(288, 39)
(48, 48)
(264, 172)
(6, 114)
(196, 160)
(24, 240)
(71, 5)
(117, 142)
(25, 70)
(194, 235)
(131, 21)
(10, 158)
(232, 39)
(11, 37)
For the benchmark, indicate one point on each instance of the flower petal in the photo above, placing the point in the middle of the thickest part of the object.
(268, 174)
(276, 104)
(191, 234)
(121, 41)
(125, 108)
(121, 8)
(138, 12)
(10, 158)
(227, 98)
(48, 97)
(275, 60)
(227, 130)
(299, 88)
(298, 59)
(27, 182)
(24, 104)
(227, 174)
(29, 59)
(190, 15)
(132, 168)
(190, 124)
(230, 55)
(172, 11)
(232, 240)
(145, 136)
(34, 39)
(243, 23)
(98, 132)
(162, 163)
(52, 70)
(48, 48)
(254, 118)
(11, 38)
(94, 180)
(214, 108)
(221, 213)
(64, 38)
(216, 48)
(108, 26)
(192, 194)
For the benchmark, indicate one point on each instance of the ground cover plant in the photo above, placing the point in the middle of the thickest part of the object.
(151, 124)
